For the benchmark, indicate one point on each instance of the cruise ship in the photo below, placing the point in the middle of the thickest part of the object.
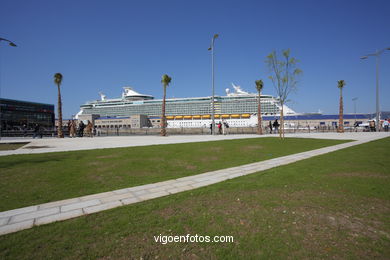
(238, 108)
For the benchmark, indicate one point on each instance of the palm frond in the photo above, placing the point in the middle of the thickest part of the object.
(259, 85)
(341, 84)
(166, 80)
(58, 79)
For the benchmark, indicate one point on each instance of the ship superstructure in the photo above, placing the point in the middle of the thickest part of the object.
(237, 107)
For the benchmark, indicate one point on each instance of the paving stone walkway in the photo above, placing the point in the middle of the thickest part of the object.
(27, 217)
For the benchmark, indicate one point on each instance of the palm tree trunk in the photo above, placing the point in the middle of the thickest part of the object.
(259, 128)
(281, 127)
(59, 131)
(341, 112)
(163, 124)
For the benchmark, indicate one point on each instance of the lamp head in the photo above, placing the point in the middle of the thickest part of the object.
(364, 57)
(10, 43)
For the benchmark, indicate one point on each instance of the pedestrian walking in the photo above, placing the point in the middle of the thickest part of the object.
(81, 129)
(386, 125)
(372, 126)
(88, 129)
(24, 127)
(211, 129)
(226, 127)
(72, 130)
(276, 126)
(37, 131)
(270, 127)
(219, 128)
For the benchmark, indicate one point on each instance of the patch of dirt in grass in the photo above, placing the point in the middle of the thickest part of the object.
(191, 167)
(312, 220)
(106, 156)
(359, 174)
(95, 163)
(156, 159)
(97, 178)
(209, 158)
(215, 149)
(183, 164)
(329, 228)
(36, 147)
(11, 146)
(251, 147)
(144, 246)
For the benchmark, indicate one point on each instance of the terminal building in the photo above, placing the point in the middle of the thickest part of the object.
(14, 114)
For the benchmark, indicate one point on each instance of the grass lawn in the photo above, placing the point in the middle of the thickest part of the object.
(335, 205)
(11, 146)
(38, 178)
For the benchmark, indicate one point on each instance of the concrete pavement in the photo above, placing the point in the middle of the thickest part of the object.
(46, 145)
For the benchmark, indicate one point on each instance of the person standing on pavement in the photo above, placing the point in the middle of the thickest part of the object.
(72, 130)
(386, 125)
(36, 130)
(226, 127)
(219, 128)
(81, 128)
(276, 126)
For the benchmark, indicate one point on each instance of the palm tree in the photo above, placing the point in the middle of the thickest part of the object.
(58, 81)
(165, 82)
(340, 85)
(259, 87)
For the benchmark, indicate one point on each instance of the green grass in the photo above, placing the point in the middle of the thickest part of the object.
(33, 179)
(335, 205)
(11, 146)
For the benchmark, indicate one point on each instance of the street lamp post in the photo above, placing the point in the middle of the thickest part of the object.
(211, 48)
(13, 45)
(377, 56)
(354, 106)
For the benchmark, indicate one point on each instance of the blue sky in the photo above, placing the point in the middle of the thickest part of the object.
(105, 45)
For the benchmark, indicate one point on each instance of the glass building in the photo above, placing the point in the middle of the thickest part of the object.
(16, 113)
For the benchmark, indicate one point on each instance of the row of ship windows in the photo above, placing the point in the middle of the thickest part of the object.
(189, 123)
(237, 109)
(203, 106)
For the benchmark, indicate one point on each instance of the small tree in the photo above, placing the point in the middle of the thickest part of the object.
(259, 86)
(166, 80)
(340, 85)
(58, 81)
(284, 74)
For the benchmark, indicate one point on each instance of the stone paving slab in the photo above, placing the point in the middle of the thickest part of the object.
(27, 217)
(59, 217)
(15, 212)
(11, 228)
(80, 205)
(101, 207)
(34, 215)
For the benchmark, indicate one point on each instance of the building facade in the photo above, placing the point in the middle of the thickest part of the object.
(15, 114)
